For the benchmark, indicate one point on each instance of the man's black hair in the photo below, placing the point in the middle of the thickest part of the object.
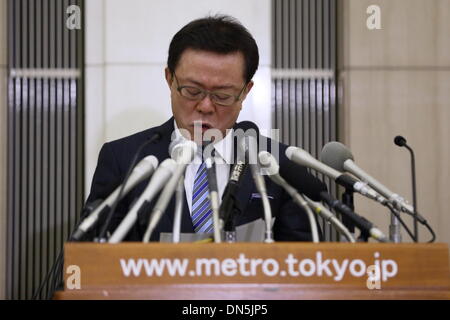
(219, 34)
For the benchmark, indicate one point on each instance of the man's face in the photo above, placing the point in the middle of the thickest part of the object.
(221, 73)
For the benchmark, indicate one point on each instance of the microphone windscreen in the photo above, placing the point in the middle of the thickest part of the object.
(299, 177)
(246, 125)
(242, 131)
(400, 141)
(182, 150)
(334, 154)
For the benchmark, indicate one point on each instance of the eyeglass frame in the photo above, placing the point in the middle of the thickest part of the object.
(209, 93)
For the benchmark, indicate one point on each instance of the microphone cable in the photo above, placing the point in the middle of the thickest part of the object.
(58, 263)
(102, 235)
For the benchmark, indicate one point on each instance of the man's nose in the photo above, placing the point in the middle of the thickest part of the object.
(206, 105)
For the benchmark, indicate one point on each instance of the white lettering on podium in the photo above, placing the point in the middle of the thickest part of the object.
(242, 266)
(340, 270)
(385, 266)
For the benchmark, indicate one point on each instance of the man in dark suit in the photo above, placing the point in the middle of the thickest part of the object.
(209, 72)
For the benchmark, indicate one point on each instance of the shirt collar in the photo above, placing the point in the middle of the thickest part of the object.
(224, 147)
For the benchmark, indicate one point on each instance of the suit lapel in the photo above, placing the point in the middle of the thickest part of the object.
(160, 149)
(244, 193)
(186, 220)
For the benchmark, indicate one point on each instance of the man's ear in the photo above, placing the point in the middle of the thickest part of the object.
(169, 77)
(247, 90)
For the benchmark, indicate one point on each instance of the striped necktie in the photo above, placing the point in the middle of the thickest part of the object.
(201, 205)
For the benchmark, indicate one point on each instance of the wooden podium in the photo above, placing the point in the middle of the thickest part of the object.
(256, 271)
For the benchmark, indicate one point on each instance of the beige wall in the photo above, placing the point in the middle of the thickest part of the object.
(3, 153)
(397, 81)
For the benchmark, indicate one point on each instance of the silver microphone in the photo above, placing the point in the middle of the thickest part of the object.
(214, 197)
(140, 172)
(271, 168)
(183, 153)
(302, 157)
(328, 216)
(158, 180)
(340, 157)
(250, 145)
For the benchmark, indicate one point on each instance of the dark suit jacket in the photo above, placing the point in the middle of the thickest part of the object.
(291, 223)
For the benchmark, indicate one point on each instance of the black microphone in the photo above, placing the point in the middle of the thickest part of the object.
(230, 206)
(401, 142)
(320, 193)
(360, 222)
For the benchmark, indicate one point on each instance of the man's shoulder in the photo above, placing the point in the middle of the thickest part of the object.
(134, 140)
(273, 146)
(137, 137)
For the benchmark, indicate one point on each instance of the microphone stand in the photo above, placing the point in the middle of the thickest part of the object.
(179, 197)
(401, 142)
(228, 213)
(214, 196)
(230, 207)
(394, 230)
(228, 224)
(413, 175)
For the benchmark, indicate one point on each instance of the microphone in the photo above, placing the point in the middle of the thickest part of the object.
(183, 152)
(328, 216)
(214, 195)
(401, 142)
(158, 180)
(140, 172)
(250, 145)
(210, 163)
(179, 197)
(341, 158)
(229, 202)
(271, 168)
(302, 157)
(362, 223)
(154, 138)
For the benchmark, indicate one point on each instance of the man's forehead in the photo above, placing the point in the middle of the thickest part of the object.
(229, 66)
(202, 56)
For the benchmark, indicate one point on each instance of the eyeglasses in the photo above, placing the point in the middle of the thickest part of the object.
(198, 94)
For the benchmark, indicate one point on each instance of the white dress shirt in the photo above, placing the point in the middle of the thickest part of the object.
(224, 155)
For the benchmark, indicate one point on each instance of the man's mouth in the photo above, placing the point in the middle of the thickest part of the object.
(202, 125)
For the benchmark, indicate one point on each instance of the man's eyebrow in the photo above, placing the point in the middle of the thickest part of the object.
(225, 86)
